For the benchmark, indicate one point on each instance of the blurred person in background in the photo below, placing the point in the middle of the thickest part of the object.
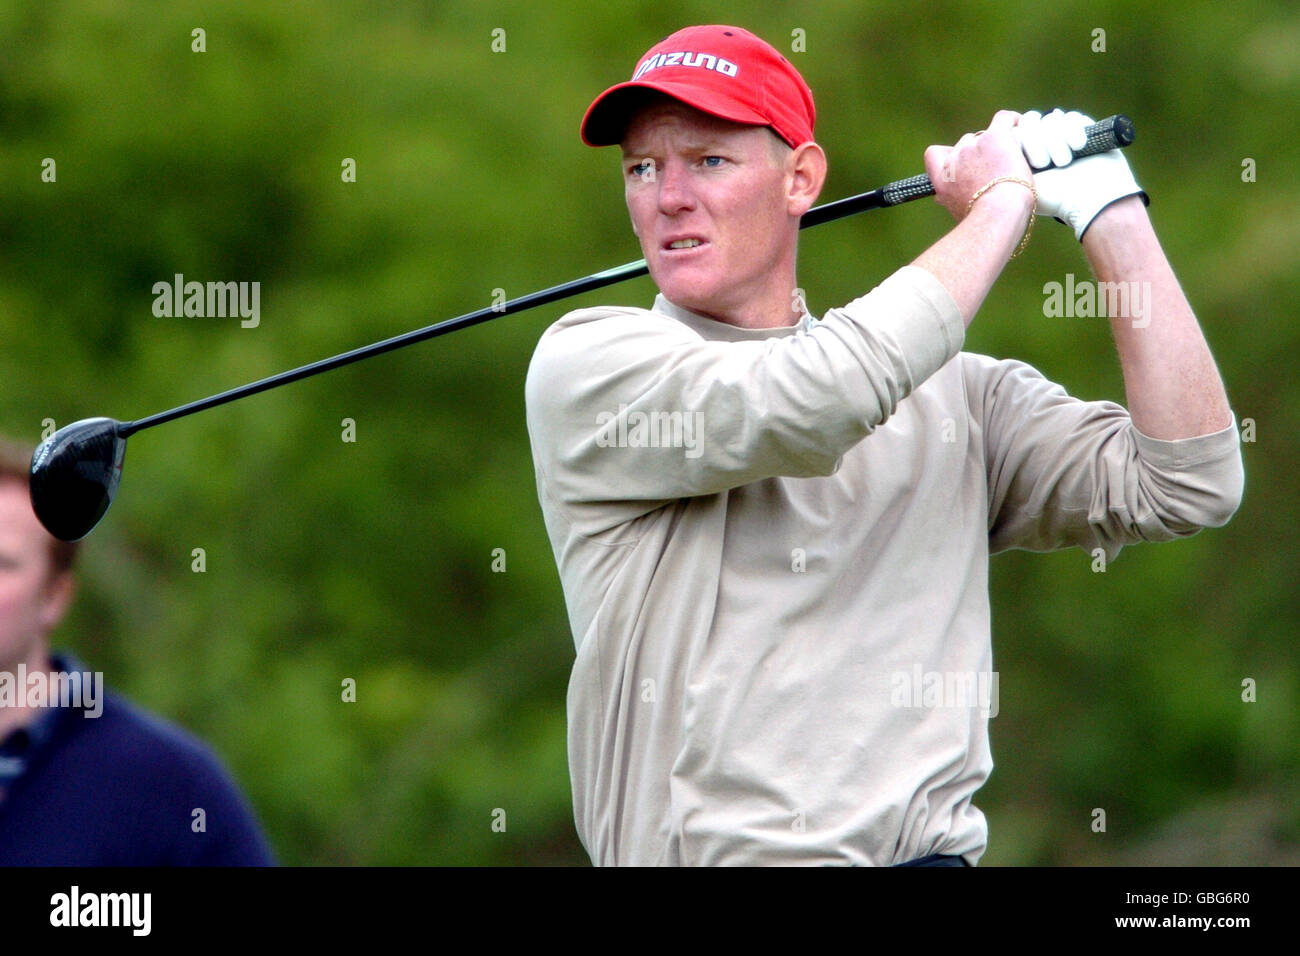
(86, 778)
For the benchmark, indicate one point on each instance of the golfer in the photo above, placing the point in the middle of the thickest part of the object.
(768, 525)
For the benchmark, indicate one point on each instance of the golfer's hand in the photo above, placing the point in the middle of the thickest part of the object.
(969, 259)
(961, 170)
(1072, 190)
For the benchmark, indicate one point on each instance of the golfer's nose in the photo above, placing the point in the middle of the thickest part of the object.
(675, 192)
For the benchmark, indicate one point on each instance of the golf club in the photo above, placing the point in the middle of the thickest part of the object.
(75, 472)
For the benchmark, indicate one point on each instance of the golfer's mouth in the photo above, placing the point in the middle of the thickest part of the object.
(683, 245)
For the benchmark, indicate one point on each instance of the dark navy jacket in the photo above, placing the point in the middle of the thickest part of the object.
(120, 789)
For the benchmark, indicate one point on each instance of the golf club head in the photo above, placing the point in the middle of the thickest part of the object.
(75, 474)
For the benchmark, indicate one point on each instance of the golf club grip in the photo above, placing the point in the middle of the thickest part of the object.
(1114, 132)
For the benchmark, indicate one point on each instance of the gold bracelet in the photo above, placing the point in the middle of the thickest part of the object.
(1010, 179)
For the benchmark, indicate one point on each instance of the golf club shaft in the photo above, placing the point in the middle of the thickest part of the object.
(1110, 133)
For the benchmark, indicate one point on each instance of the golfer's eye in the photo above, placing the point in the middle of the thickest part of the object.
(641, 169)
(713, 162)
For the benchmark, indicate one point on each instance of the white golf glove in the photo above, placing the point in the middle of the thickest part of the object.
(1072, 190)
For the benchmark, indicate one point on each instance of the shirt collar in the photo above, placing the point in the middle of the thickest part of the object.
(713, 329)
(24, 741)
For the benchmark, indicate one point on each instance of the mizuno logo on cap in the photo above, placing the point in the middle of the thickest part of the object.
(706, 60)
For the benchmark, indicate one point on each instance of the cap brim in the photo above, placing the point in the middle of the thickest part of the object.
(607, 117)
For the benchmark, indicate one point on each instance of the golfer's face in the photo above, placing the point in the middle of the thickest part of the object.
(708, 201)
(29, 606)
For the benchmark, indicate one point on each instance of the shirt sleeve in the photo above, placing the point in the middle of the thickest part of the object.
(631, 405)
(1064, 472)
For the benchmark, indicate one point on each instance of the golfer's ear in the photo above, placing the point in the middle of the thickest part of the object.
(807, 165)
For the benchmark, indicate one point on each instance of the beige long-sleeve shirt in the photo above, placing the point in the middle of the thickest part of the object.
(774, 551)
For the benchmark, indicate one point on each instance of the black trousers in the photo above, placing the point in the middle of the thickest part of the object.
(936, 859)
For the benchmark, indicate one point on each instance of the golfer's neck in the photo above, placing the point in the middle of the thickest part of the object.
(780, 315)
(775, 306)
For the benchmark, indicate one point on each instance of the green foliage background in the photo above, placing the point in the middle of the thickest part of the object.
(372, 560)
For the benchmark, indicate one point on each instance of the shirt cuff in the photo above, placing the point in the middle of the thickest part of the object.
(1185, 452)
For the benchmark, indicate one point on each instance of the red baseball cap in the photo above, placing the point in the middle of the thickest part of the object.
(724, 71)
